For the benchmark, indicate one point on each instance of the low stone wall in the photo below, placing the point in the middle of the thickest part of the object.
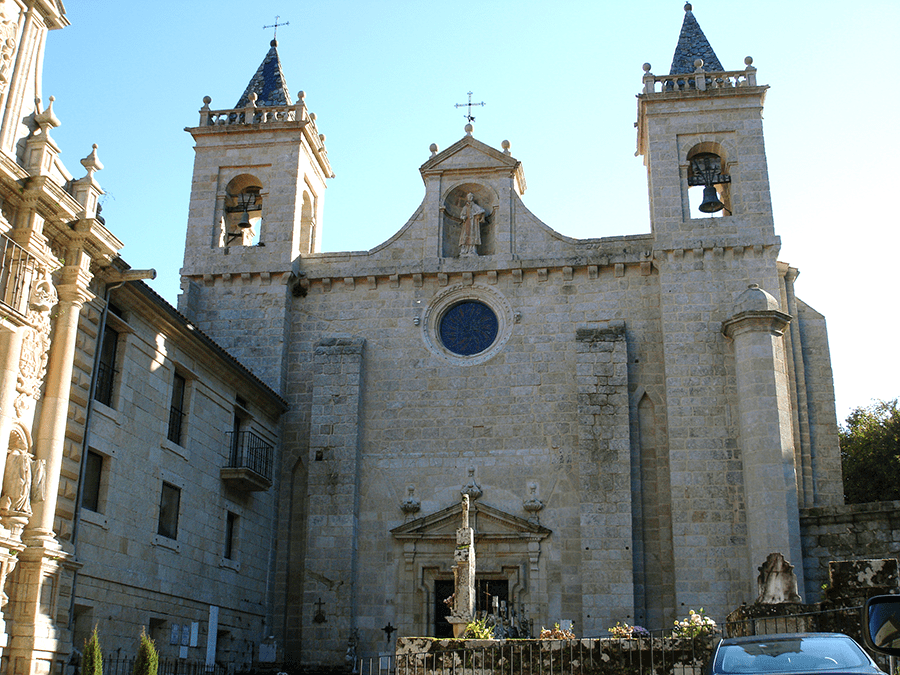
(664, 655)
(847, 532)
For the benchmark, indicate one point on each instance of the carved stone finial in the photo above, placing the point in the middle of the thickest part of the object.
(646, 67)
(505, 146)
(252, 99)
(698, 64)
(206, 101)
(748, 60)
(469, 129)
(471, 489)
(533, 505)
(92, 163)
(47, 119)
(434, 149)
(410, 504)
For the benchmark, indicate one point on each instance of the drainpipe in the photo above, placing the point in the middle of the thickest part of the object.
(116, 279)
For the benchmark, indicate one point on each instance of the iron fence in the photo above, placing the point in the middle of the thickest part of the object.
(117, 665)
(657, 653)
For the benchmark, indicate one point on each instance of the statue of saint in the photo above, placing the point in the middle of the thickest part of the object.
(471, 216)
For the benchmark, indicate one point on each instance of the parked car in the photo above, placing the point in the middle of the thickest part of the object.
(791, 653)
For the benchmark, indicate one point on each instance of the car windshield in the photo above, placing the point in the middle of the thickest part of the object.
(800, 654)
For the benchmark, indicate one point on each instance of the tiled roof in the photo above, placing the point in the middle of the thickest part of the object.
(692, 44)
(268, 84)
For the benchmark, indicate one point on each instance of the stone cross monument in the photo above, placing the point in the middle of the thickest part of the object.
(462, 611)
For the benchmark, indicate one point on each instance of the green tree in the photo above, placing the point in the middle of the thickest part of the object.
(92, 659)
(870, 453)
(147, 661)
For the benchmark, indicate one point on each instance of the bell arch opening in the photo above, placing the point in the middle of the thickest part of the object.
(708, 181)
(242, 216)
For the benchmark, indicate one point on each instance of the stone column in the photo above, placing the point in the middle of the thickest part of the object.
(766, 431)
(36, 637)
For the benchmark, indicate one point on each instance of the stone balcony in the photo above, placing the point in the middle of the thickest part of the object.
(249, 467)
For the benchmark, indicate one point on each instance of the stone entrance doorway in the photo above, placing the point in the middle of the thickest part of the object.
(485, 591)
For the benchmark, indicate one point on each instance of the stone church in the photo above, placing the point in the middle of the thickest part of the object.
(637, 420)
(273, 472)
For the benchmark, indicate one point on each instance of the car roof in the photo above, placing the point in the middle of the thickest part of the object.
(775, 637)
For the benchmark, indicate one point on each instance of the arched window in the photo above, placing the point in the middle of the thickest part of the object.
(709, 183)
(242, 219)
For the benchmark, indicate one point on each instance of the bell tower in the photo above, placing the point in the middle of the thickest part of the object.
(700, 134)
(256, 206)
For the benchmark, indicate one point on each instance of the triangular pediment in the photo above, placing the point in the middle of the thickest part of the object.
(490, 524)
(470, 153)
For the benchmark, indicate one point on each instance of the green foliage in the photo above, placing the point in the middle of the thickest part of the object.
(92, 659)
(870, 453)
(147, 661)
(479, 630)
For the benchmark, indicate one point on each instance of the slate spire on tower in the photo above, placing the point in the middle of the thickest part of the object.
(693, 45)
(268, 84)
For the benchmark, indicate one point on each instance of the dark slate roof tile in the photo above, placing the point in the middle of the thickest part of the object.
(268, 84)
(692, 44)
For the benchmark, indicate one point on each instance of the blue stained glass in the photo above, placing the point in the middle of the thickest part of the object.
(468, 328)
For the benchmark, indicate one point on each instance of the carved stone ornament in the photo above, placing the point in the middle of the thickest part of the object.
(472, 489)
(533, 504)
(35, 343)
(19, 484)
(8, 31)
(776, 582)
(410, 504)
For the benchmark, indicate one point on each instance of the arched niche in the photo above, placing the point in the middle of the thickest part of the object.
(243, 211)
(707, 165)
(307, 223)
(453, 220)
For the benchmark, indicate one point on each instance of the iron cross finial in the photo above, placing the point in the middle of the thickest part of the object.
(275, 26)
(468, 105)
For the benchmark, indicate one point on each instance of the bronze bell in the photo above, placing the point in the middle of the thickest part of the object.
(245, 219)
(711, 202)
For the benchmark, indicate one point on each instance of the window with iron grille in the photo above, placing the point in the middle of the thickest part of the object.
(176, 411)
(106, 367)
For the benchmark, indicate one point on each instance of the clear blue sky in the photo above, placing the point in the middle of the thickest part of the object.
(559, 82)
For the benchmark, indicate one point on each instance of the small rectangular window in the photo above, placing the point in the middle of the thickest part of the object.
(106, 367)
(176, 411)
(93, 473)
(169, 505)
(230, 534)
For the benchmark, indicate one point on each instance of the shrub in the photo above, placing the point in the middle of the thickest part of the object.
(147, 661)
(556, 633)
(92, 660)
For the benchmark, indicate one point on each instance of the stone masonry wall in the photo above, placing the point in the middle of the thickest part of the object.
(847, 532)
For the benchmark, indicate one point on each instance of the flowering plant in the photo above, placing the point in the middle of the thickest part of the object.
(556, 633)
(695, 624)
(623, 630)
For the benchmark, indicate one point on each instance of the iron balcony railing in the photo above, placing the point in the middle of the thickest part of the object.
(249, 451)
(17, 271)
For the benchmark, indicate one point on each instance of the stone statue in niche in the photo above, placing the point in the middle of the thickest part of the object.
(471, 216)
(23, 480)
(776, 582)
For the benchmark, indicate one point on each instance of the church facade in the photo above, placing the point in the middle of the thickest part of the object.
(637, 420)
